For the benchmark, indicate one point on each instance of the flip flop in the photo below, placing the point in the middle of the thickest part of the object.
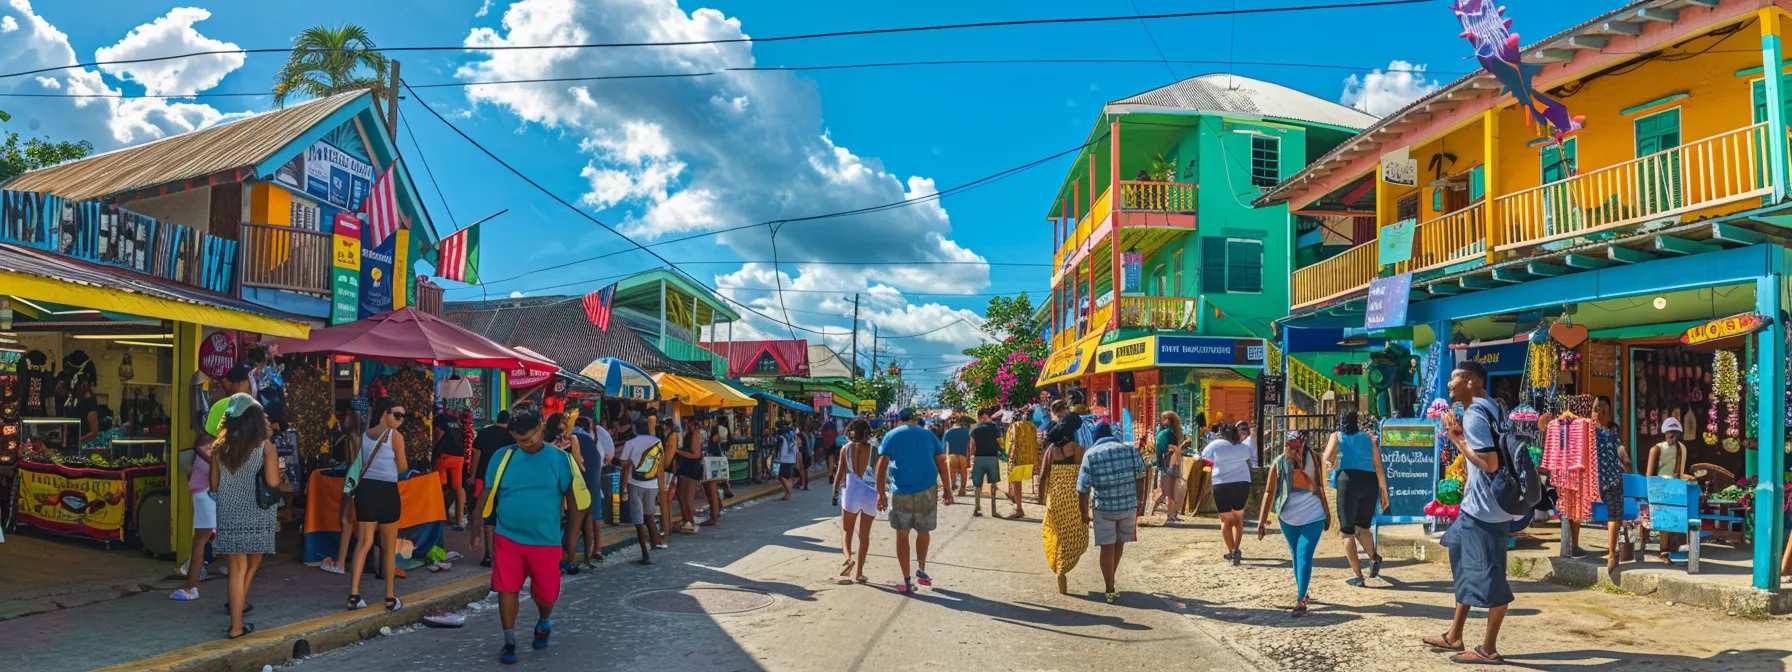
(247, 629)
(907, 587)
(1353, 582)
(1442, 643)
(1478, 656)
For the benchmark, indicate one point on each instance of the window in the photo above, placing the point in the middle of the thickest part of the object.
(1559, 161)
(1660, 175)
(304, 215)
(1231, 265)
(1266, 161)
(766, 364)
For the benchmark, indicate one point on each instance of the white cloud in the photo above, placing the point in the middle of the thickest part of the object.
(1383, 92)
(673, 156)
(171, 34)
(484, 9)
(517, 295)
(107, 122)
(8, 24)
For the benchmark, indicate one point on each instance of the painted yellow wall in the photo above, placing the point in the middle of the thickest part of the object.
(269, 204)
(1465, 143)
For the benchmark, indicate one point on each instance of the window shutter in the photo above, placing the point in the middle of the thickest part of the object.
(1213, 265)
(1477, 183)
(1244, 271)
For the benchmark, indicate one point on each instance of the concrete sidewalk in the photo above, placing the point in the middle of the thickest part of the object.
(298, 611)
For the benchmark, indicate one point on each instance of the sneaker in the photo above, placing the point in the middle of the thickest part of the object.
(485, 561)
(543, 630)
(923, 579)
(183, 567)
(1112, 596)
(184, 595)
(332, 568)
(660, 547)
(507, 655)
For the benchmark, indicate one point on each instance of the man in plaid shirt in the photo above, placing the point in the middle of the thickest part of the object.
(1112, 471)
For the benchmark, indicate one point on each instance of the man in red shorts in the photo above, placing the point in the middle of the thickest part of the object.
(528, 489)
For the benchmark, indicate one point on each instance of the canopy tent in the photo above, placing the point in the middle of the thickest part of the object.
(767, 396)
(841, 412)
(726, 396)
(683, 390)
(408, 334)
(617, 376)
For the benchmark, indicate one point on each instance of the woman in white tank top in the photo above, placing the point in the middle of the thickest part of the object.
(377, 505)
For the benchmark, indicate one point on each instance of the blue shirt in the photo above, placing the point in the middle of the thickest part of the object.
(530, 496)
(911, 451)
(1354, 452)
(1111, 469)
(958, 441)
(1478, 499)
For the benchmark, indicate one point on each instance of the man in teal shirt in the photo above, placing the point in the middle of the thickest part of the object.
(914, 462)
(531, 495)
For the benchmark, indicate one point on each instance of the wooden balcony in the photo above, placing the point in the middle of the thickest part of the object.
(1157, 312)
(1724, 168)
(429, 297)
(1148, 213)
(1166, 197)
(1450, 239)
(275, 256)
(1338, 276)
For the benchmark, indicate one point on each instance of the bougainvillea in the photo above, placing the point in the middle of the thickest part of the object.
(1001, 372)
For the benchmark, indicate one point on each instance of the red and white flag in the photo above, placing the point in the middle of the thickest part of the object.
(597, 306)
(381, 206)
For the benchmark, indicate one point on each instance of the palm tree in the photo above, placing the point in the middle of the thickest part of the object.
(326, 61)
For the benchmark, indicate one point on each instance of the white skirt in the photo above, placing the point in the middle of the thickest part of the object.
(205, 511)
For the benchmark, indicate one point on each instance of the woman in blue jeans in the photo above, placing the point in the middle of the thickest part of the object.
(1295, 491)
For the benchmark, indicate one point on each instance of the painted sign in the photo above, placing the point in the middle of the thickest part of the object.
(345, 283)
(1071, 361)
(1499, 359)
(401, 251)
(521, 378)
(822, 399)
(1395, 242)
(89, 502)
(1409, 457)
(1271, 388)
(1734, 325)
(1210, 351)
(1399, 169)
(1387, 301)
(217, 354)
(377, 277)
(1127, 355)
(335, 176)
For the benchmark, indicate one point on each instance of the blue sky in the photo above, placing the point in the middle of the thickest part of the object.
(660, 158)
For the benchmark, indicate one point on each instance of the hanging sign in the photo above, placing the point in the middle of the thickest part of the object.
(521, 378)
(1397, 168)
(70, 500)
(334, 176)
(377, 274)
(217, 354)
(1734, 325)
(5, 313)
(1409, 457)
(1395, 242)
(822, 399)
(345, 283)
(1387, 301)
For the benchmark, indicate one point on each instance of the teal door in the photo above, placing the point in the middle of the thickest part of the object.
(1558, 164)
(1660, 174)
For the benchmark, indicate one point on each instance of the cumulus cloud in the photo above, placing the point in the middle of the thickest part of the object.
(107, 122)
(171, 34)
(673, 156)
(1382, 92)
(484, 9)
(8, 24)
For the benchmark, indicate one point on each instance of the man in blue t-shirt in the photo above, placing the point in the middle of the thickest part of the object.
(531, 496)
(1477, 538)
(912, 460)
(958, 453)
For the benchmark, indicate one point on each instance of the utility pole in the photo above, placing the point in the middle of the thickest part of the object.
(874, 369)
(392, 107)
(855, 336)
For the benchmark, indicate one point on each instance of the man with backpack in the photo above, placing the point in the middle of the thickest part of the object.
(1501, 486)
(642, 457)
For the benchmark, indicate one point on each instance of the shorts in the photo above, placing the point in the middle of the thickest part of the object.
(642, 503)
(512, 562)
(1116, 526)
(789, 470)
(377, 502)
(918, 511)
(1478, 562)
(1359, 493)
(986, 470)
(205, 511)
(1229, 497)
(1020, 473)
(450, 468)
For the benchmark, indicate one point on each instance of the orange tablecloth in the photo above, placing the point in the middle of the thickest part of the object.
(420, 497)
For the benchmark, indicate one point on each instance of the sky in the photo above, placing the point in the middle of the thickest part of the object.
(665, 158)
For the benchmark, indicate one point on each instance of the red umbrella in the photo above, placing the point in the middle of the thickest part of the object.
(408, 334)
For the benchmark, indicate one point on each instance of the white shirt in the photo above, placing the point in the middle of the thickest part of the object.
(1231, 461)
(632, 450)
(786, 449)
(606, 444)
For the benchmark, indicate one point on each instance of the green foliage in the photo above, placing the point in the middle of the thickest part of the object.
(19, 157)
(879, 387)
(327, 61)
(1002, 371)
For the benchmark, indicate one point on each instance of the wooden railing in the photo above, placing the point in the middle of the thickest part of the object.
(1311, 382)
(1157, 196)
(1451, 239)
(1723, 168)
(1157, 312)
(1349, 271)
(429, 297)
(1084, 228)
(281, 257)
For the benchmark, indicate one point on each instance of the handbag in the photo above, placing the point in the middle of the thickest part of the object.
(352, 480)
(266, 497)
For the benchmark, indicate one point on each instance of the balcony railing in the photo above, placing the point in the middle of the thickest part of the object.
(429, 297)
(1721, 169)
(282, 257)
(1311, 382)
(1157, 196)
(1340, 275)
(1450, 239)
(1157, 312)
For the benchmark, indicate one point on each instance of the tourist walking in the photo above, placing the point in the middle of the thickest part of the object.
(346, 447)
(533, 500)
(377, 506)
(596, 447)
(1295, 492)
(205, 521)
(1108, 484)
(911, 465)
(1232, 463)
(246, 463)
(986, 461)
(690, 474)
(450, 462)
(1065, 530)
(830, 449)
(489, 440)
(858, 499)
(1169, 443)
(1023, 454)
(641, 459)
(788, 456)
(715, 445)
(1362, 484)
(1477, 539)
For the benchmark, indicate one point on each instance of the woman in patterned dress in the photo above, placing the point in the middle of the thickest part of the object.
(245, 530)
(1066, 534)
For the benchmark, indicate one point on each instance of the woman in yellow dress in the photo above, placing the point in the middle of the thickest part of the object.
(1023, 453)
(1066, 535)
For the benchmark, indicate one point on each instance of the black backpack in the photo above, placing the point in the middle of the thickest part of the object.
(1516, 485)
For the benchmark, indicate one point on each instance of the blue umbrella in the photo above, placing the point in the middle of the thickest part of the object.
(622, 379)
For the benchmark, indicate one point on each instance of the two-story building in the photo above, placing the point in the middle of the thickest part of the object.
(1166, 277)
(1589, 263)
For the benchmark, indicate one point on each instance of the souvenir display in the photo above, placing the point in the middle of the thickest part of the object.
(413, 388)
(308, 406)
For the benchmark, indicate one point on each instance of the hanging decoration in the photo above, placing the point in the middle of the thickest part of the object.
(1725, 391)
(414, 388)
(1749, 437)
(1496, 48)
(308, 406)
(1132, 265)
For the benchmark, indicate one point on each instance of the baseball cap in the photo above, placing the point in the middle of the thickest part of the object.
(1671, 425)
(238, 373)
(906, 415)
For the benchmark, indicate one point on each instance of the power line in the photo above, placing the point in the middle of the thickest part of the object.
(440, 195)
(744, 40)
(862, 290)
(921, 262)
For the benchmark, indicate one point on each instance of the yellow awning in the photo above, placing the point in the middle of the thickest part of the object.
(678, 388)
(40, 279)
(1070, 362)
(728, 397)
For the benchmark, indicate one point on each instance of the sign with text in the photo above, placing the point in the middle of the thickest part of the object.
(1394, 245)
(1210, 351)
(376, 274)
(1409, 456)
(335, 176)
(69, 500)
(1734, 325)
(1399, 168)
(822, 399)
(345, 283)
(1387, 301)
(1271, 387)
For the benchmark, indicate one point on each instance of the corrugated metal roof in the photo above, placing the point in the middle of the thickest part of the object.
(825, 363)
(1234, 94)
(237, 144)
(556, 327)
(27, 261)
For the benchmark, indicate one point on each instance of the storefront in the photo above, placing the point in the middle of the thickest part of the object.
(1147, 374)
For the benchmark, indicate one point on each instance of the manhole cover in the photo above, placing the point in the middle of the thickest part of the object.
(701, 601)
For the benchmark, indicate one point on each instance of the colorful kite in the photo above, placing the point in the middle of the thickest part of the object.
(1496, 47)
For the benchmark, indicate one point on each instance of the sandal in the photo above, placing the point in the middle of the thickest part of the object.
(247, 628)
(1442, 643)
(1300, 609)
(355, 602)
(1354, 582)
(1478, 656)
(1374, 566)
(394, 604)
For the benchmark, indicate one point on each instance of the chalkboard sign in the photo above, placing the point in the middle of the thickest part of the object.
(1409, 456)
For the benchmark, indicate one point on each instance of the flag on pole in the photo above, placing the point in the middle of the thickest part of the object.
(381, 206)
(597, 306)
(458, 256)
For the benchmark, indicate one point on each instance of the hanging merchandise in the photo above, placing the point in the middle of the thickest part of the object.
(1725, 391)
(414, 388)
(1749, 440)
(308, 404)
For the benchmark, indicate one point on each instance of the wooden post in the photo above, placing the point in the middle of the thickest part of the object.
(1490, 175)
(1775, 135)
(1114, 231)
(392, 108)
(182, 435)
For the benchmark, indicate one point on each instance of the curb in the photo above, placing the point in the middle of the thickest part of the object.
(276, 646)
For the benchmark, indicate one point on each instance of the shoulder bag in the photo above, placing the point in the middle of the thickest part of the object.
(353, 479)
